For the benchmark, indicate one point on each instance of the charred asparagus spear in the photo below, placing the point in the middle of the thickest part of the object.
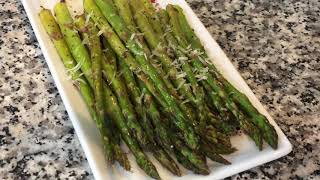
(116, 83)
(268, 131)
(90, 7)
(73, 40)
(112, 151)
(221, 101)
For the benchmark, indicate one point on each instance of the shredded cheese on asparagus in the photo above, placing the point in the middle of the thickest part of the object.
(88, 18)
(75, 68)
(132, 36)
(181, 84)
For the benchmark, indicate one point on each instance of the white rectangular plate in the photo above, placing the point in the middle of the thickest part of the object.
(247, 156)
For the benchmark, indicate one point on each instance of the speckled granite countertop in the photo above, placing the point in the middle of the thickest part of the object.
(275, 45)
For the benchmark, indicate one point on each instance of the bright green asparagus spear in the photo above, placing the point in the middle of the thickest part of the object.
(56, 36)
(117, 85)
(269, 133)
(181, 120)
(73, 40)
(64, 19)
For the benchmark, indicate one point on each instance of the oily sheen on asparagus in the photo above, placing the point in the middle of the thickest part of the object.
(148, 81)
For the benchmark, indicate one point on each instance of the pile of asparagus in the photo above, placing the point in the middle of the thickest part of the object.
(148, 81)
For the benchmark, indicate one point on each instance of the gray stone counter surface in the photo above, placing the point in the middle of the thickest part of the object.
(274, 44)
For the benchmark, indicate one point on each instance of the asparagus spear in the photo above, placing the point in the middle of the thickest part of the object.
(220, 99)
(156, 150)
(152, 16)
(75, 45)
(141, 80)
(138, 94)
(195, 159)
(56, 36)
(118, 87)
(148, 101)
(213, 155)
(209, 136)
(198, 91)
(125, 12)
(188, 165)
(160, 131)
(109, 54)
(90, 7)
(269, 133)
(179, 81)
(141, 158)
(96, 58)
(174, 43)
(154, 42)
(115, 132)
(227, 127)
